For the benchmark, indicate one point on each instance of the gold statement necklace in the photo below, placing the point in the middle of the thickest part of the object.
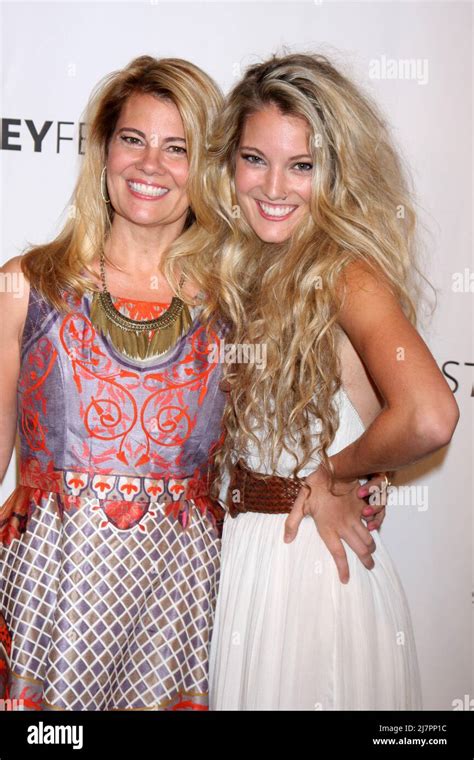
(135, 338)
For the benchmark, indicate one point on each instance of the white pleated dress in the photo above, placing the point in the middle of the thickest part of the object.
(288, 635)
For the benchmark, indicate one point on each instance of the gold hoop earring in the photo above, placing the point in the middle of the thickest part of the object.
(102, 186)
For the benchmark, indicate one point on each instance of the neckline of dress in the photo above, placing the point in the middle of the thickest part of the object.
(139, 300)
(133, 300)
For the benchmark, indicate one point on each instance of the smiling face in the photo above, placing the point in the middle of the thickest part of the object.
(147, 163)
(273, 173)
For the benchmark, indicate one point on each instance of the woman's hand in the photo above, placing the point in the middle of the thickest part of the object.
(374, 513)
(339, 517)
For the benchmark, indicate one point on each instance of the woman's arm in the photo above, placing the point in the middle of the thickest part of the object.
(14, 294)
(421, 413)
(419, 417)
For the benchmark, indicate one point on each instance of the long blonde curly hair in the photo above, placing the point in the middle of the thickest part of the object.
(361, 209)
(61, 263)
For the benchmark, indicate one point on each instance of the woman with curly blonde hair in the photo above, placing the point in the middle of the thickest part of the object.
(315, 263)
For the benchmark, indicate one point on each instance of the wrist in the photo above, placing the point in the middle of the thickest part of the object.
(322, 478)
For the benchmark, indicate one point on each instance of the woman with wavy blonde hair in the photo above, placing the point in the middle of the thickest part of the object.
(110, 543)
(316, 265)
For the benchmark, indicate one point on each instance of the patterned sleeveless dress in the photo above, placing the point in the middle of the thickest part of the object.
(110, 544)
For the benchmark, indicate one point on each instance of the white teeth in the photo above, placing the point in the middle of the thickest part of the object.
(276, 210)
(147, 189)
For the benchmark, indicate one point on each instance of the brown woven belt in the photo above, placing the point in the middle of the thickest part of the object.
(272, 495)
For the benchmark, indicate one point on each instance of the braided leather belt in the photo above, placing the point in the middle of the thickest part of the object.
(248, 493)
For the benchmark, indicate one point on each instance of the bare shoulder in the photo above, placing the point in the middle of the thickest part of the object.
(359, 279)
(14, 296)
(369, 304)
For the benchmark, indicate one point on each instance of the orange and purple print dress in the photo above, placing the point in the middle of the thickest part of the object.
(109, 545)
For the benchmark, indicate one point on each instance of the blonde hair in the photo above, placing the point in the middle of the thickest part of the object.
(59, 264)
(361, 209)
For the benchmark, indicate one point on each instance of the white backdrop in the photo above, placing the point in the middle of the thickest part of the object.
(54, 53)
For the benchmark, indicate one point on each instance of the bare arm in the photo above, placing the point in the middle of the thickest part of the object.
(419, 416)
(13, 310)
(420, 413)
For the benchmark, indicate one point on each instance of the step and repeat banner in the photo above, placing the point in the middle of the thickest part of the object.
(53, 55)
